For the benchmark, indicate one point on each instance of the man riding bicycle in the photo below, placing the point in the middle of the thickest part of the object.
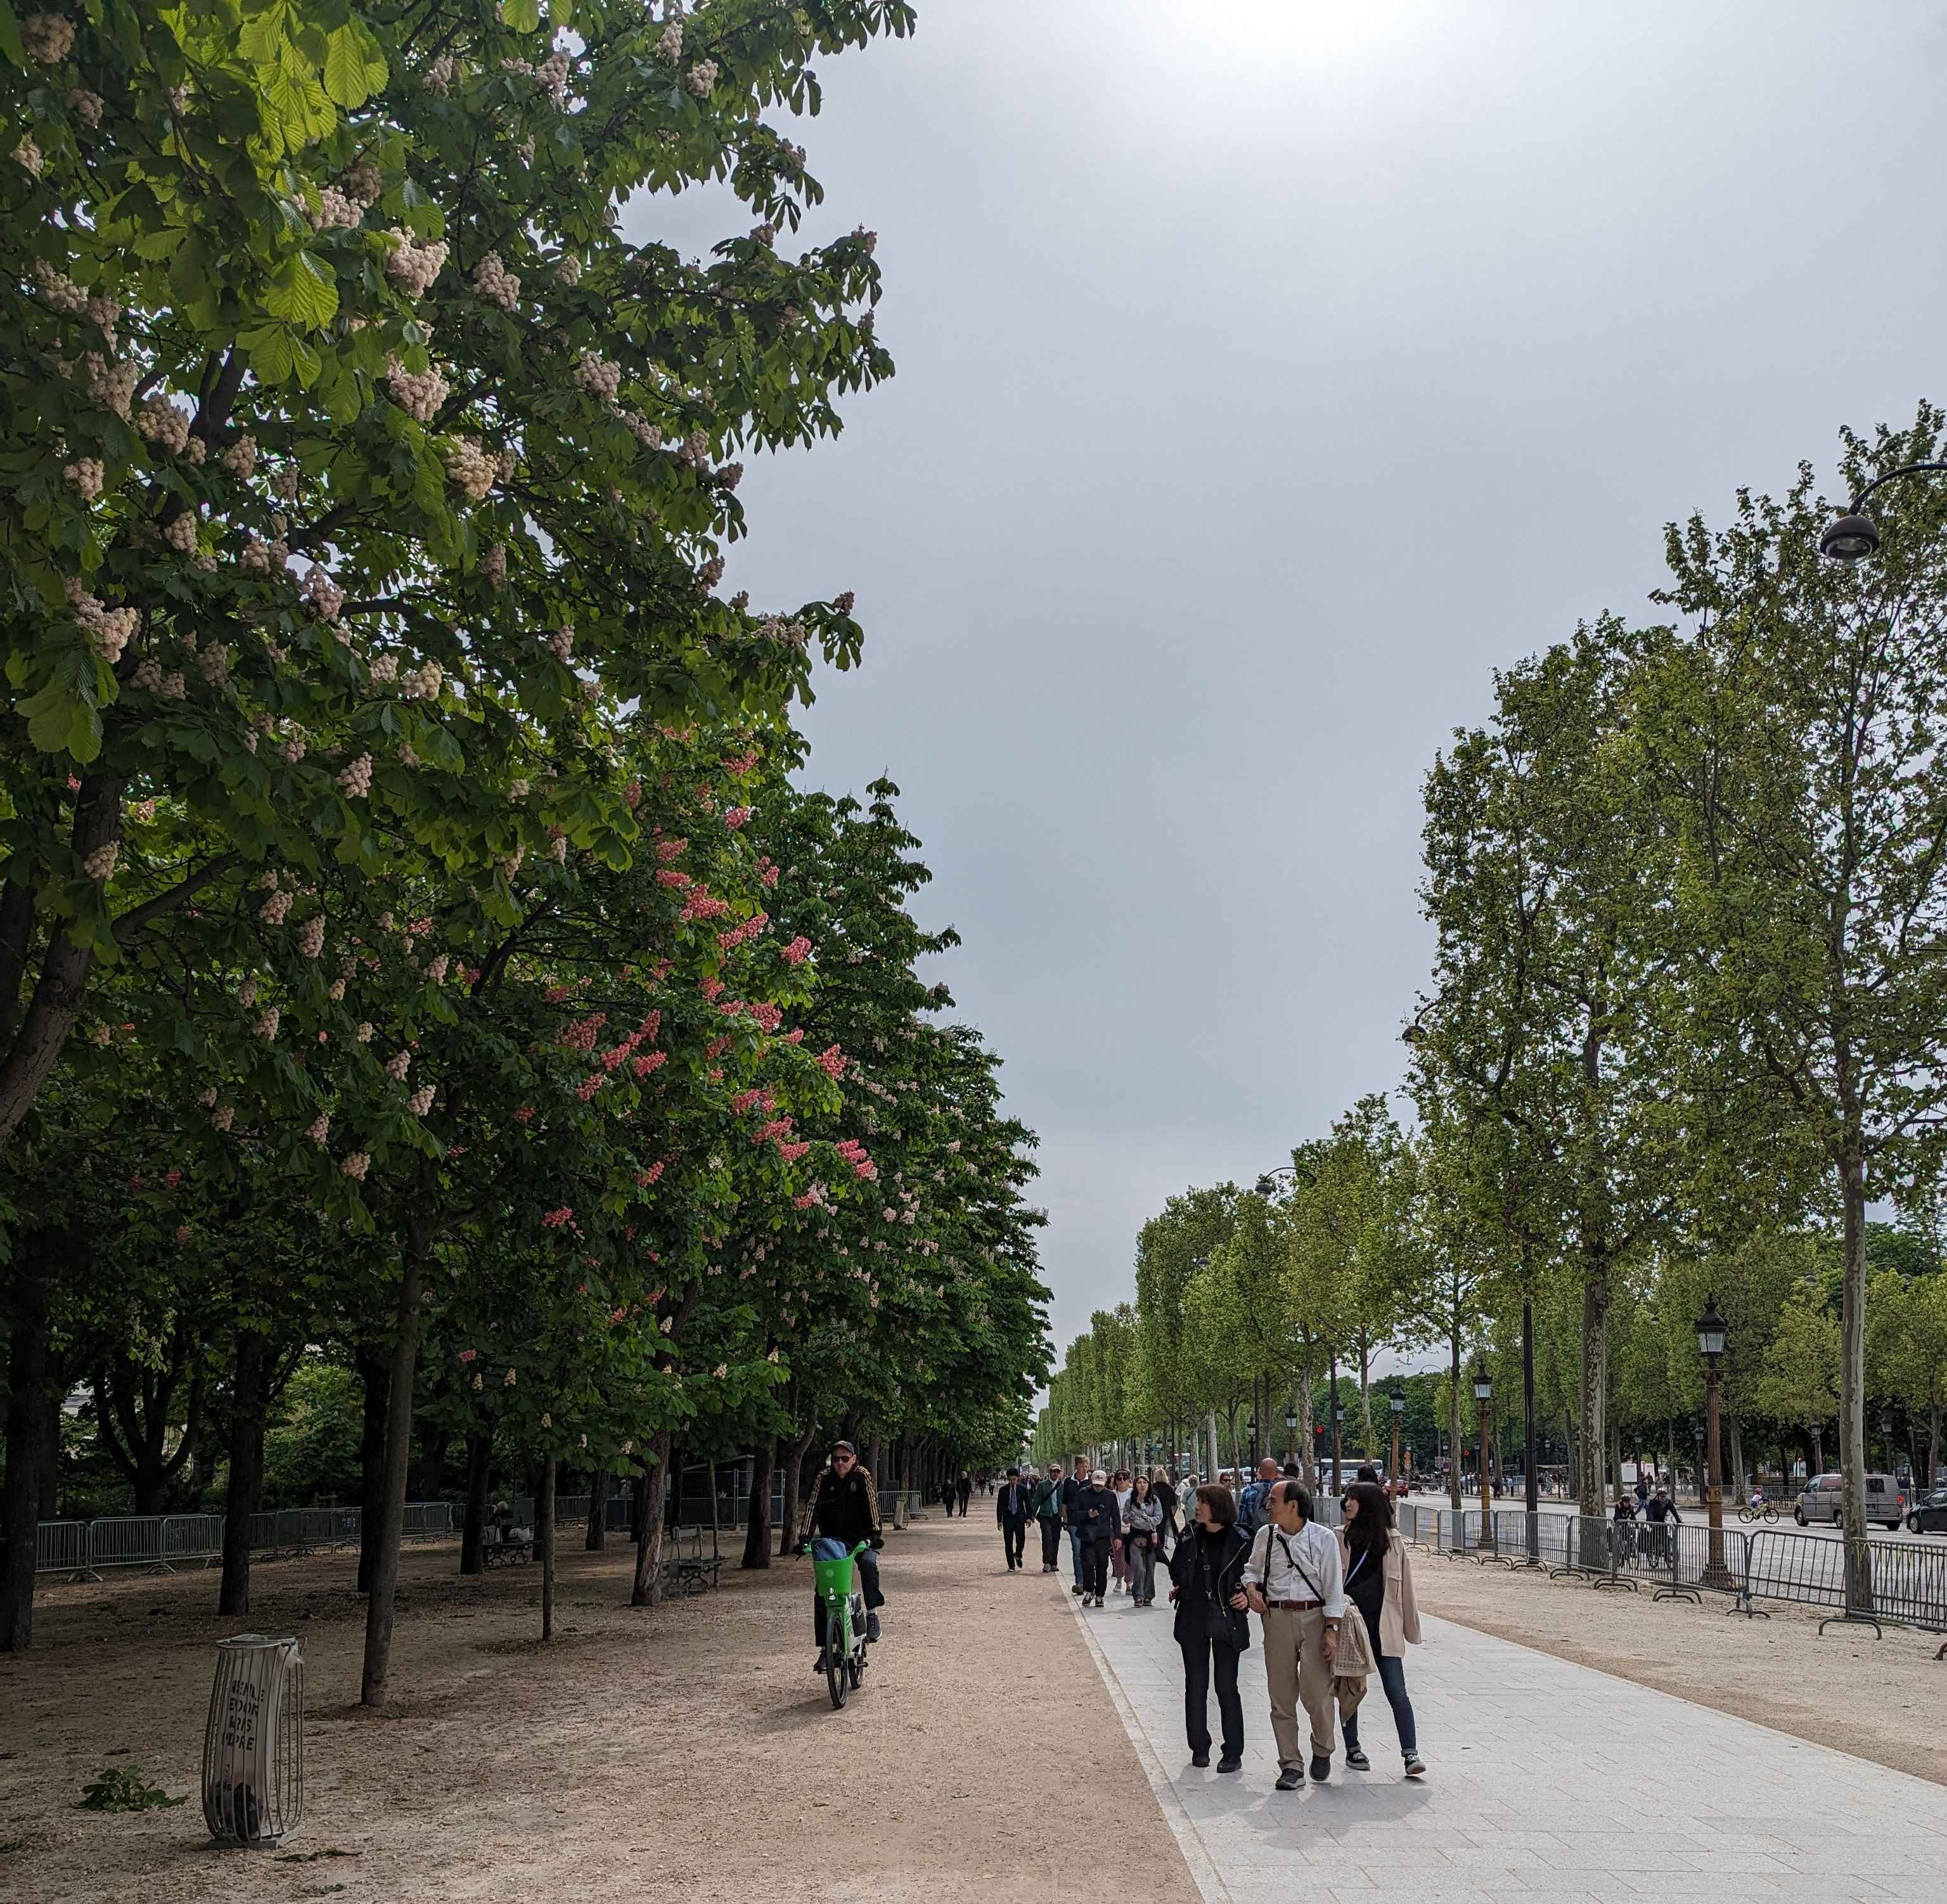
(845, 1508)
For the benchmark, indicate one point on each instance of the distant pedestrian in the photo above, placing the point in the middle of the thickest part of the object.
(1211, 1627)
(1295, 1580)
(1253, 1512)
(1378, 1583)
(1071, 1489)
(1012, 1506)
(965, 1490)
(1166, 1498)
(1142, 1532)
(1048, 1517)
(1119, 1558)
(1096, 1517)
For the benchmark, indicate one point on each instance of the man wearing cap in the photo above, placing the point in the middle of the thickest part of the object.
(845, 1508)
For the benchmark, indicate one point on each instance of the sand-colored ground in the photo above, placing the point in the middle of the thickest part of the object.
(642, 1754)
(1883, 1700)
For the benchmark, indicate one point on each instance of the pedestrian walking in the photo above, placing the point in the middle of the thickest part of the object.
(1206, 1574)
(1252, 1511)
(1142, 1529)
(1165, 1495)
(965, 1489)
(1048, 1517)
(1077, 1479)
(1096, 1515)
(1295, 1581)
(1119, 1558)
(1011, 1507)
(1378, 1583)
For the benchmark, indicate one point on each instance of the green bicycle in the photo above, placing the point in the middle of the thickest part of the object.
(842, 1655)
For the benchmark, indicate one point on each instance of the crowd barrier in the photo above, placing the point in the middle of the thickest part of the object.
(162, 1542)
(1895, 1583)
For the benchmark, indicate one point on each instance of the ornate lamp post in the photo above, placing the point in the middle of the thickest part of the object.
(1396, 1398)
(1337, 1442)
(1483, 1393)
(1712, 1334)
(1855, 535)
(1291, 1434)
(1253, 1426)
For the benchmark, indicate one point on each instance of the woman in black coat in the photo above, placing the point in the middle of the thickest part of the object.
(1212, 1625)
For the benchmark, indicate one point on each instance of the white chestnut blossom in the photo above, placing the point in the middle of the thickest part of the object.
(418, 393)
(356, 780)
(107, 629)
(398, 1064)
(363, 1033)
(27, 157)
(179, 534)
(320, 1128)
(494, 565)
(60, 290)
(162, 422)
(267, 1025)
(561, 644)
(111, 385)
(413, 265)
(86, 106)
(495, 283)
(101, 863)
(702, 80)
(336, 211)
(311, 937)
(599, 379)
(46, 37)
(469, 468)
(322, 597)
(669, 48)
(223, 1116)
(355, 1166)
(273, 908)
(420, 1102)
(442, 72)
(241, 459)
(568, 268)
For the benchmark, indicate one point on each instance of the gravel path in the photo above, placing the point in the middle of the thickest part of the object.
(642, 1754)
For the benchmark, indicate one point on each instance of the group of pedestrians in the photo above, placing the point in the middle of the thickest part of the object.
(1336, 1610)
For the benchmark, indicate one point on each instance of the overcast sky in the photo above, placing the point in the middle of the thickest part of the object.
(1269, 372)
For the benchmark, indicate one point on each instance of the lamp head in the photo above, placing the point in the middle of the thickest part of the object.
(1851, 537)
(1712, 1330)
(1397, 1396)
(1484, 1387)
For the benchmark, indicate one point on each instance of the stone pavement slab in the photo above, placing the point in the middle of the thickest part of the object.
(1547, 1781)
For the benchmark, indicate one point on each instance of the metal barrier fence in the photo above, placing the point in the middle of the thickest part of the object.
(160, 1542)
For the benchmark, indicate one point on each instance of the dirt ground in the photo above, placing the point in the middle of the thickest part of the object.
(642, 1753)
(1883, 1700)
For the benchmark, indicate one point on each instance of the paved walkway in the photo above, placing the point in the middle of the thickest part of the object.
(1546, 1780)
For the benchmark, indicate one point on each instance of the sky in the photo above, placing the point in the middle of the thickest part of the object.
(1269, 373)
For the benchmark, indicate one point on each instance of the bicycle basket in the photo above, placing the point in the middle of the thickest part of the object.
(833, 1577)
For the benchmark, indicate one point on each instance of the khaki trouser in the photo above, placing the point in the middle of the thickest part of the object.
(1295, 1666)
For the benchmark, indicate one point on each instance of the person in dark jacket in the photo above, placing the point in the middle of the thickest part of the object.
(1048, 1517)
(845, 1508)
(1072, 1486)
(964, 1488)
(1100, 1522)
(1164, 1494)
(1212, 1624)
(1012, 1506)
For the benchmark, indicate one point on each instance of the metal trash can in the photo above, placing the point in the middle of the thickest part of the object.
(253, 1746)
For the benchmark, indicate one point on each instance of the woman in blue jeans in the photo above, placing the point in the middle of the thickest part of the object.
(1379, 1582)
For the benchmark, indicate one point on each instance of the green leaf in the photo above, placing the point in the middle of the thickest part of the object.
(524, 16)
(51, 716)
(262, 36)
(303, 292)
(272, 356)
(84, 733)
(355, 68)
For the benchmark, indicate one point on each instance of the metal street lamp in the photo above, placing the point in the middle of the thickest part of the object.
(1483, 1393)
(1712, 1334)
(1396, 1398)
(1855, 534)
(1253, 1426)
(1291, 1434)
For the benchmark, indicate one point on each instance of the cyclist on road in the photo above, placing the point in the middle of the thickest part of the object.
(845, 1508)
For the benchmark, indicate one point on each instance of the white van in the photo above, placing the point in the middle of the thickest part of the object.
(1819, 1503)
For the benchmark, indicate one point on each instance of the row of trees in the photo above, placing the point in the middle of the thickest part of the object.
(416, 953)
(1688, 1021)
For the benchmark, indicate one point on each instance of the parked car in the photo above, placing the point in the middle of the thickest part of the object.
(1819, 1501)
(1928, 1514)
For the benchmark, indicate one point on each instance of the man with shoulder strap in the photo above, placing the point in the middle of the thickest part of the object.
(1294, 1580)
(1253, 1504)
(1048, 1517)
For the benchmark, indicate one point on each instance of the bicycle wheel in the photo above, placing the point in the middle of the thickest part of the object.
(837, 1643)
(855, 1667)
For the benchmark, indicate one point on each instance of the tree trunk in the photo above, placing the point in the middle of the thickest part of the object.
(479, 1478)
(1853, 1389)
(433, 1442)
(375, 1373)
(1453, 1494)
(249, 1395)
(379, 1606)
(27, 1386)
(757, 1525)
(1594, 1398)
(647, 1588)
(597, 1536)
(544, 1527)
(792, 1454)
(1933, 1443)
(1814, 1441)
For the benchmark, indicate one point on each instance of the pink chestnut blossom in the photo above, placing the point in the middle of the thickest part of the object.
(734, 818)
(557, 1219)
(797, 953)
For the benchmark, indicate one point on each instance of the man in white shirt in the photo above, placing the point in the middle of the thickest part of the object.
(1295, 1581)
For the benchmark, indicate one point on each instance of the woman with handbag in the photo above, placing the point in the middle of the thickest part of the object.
(1379, 1582)
(1211, 1625)
(1142, 1528)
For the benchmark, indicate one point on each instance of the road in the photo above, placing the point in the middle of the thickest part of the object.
(1691, 1513)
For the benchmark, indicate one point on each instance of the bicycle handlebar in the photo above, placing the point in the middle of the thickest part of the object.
(861, 1548)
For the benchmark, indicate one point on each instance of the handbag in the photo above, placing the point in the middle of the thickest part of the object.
(1353, 1663)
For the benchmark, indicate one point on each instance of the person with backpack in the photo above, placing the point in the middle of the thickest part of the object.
(1100, 1522)
(1047, 1509)
(1253, 1504)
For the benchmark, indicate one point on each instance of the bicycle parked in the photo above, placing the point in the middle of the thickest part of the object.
(840, 1612)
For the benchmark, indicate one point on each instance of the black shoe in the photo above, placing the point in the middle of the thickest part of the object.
(872, 1629)
(1355, 1760)
(818, 1665)
(1075, 1590)
(1199, 1760)
(1321, 1770)
(1290, 1778)
(1231, 1761)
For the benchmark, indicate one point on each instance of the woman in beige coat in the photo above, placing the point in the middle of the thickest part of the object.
(1378, 1581)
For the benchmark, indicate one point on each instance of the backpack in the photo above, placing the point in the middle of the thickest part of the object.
(1251, 1512)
